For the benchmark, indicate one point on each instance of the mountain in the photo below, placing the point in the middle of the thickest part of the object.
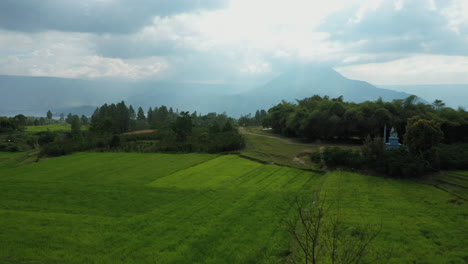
(300, 82)
(454, 95)
(36, 95)
(305, 81)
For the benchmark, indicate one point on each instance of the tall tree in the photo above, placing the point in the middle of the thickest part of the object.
(49, 116)
(84, 120)
(438, 104)
(141, 114)
(69, 118)
(131, 112)
(75, 125)
(183, 126)
(149, 116)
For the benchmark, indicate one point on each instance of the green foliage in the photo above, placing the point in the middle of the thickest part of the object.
(49, 115)
(337, 157)
(330, 119)
(373, 150)
(403, 163)
(7, 125)
(183, 126)
(422, 135)
(84, 120)
(75, 125)
(175, 132)
(256, 120)
(452, 157)
(141, 114)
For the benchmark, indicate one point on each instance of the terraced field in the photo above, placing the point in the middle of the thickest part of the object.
(147, 208)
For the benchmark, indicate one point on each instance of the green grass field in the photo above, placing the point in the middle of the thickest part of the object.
(272, 148)
(146, 208)
(202, 208)
(52, 128)
(420, 223)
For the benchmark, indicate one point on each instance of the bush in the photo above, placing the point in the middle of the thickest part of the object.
(334, 157)
(316, 157)
(452, 157)
(402, 163)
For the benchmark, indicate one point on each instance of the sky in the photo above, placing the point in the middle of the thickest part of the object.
(384, 42)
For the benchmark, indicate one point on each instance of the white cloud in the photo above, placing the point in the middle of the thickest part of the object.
(256, 68)
(457, 15)
(399, 5)
(416, 69)
(367, 7)
(250, 37)
(71, 55)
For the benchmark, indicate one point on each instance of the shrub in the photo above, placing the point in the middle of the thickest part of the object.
(316, 157)
(334, 157)
(452, 157)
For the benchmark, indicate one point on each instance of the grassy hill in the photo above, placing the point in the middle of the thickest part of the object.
(201, 208)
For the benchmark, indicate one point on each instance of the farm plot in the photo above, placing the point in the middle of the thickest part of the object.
(147, 208)
(420, 223)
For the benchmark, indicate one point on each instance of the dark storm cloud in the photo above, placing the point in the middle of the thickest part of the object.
(104, 16)
(413, 29)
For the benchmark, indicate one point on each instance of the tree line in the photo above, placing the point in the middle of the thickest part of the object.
(434, 136)
(327, 118)
(171, 131)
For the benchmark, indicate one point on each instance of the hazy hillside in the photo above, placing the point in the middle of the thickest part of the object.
(300, 82)
(305, 81)
(35, 95)
(454, 95)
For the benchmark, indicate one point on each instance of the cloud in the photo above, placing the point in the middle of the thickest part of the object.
(71, 55)
(412, 26)
(224, 41)
(457, 16)
(103, 16)
(416, 69)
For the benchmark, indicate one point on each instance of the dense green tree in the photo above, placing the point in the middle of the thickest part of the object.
(319, 117)
(75, 125)
(438, 104)
(422, 135)
(131, 113)
(20, 120)
(183, 126)
(150, 115)
(49, 116)
(68, 120)
(122, 117)
(84, 120)
(141, 114)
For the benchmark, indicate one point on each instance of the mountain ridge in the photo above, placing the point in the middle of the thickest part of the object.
(35, 95)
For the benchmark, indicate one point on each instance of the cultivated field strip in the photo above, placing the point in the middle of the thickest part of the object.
(232, 172)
